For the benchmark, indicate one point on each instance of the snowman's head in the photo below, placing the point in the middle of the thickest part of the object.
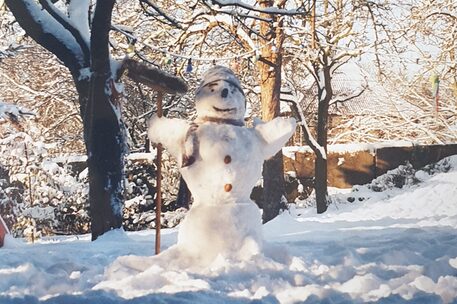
(220, 95)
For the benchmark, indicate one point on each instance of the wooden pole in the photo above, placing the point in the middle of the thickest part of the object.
(159, 179)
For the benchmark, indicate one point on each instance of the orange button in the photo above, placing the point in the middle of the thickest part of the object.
(228, 187)
(227, 159)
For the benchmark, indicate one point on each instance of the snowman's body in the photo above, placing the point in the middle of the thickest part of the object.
(227, 166)
(226, 162)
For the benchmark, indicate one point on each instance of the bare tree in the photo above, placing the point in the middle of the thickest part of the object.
(411, 44)
(81, 42)
(417, 68)
(335, 32)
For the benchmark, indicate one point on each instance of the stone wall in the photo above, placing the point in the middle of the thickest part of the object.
(350, 165)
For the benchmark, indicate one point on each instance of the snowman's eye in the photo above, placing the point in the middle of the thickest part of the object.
(211, 86)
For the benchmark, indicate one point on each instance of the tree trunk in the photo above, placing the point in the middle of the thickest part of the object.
(270, 65)
(273, 187)
(324, 95)
(320, 169)
(104, 142)
(103, 132)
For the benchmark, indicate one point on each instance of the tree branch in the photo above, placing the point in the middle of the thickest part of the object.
(47, 32)
(160, 12)
(52, 10)
(99, 40)
(309, 139)
(235, 14)
(343, 100)
(267, 10)
(442, 14)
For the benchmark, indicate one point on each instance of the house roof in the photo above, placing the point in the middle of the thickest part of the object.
(349, 80)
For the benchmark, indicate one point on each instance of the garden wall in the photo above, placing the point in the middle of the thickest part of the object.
(357, 164)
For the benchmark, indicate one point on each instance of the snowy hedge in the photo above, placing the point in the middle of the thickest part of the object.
(40, 196)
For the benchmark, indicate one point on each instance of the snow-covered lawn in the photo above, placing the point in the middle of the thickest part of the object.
(392, 246)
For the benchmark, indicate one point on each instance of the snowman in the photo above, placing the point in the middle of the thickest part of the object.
(221, 161)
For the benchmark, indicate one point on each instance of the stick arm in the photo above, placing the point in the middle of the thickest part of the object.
(275, 134)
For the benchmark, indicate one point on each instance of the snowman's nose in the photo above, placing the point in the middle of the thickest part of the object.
(224, 93)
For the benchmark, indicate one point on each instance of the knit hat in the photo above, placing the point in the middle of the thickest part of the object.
(218, 73)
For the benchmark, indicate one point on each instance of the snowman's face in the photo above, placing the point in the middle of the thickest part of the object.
(220, 99)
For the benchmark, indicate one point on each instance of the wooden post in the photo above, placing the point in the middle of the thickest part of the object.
(159, 178)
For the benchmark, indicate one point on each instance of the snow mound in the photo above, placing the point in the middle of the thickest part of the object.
(210, 239)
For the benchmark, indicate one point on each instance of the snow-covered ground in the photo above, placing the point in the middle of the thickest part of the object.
(389, 246)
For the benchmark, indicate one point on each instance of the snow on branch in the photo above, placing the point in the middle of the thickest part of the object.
(12, 113)
(267, 10)
(12, 50)
(159, 11)
(8, 110)
(236, 14)
(309, 139)
(65, 22)
(445, 14)
(48, 32)
(213, 21)
(78, 12)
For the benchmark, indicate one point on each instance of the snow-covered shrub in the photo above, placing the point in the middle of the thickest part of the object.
(441, 166)
(140, 194)
(396, 178)
(72, 212)
(399, 178)
(11, 196)
(140, 189)
(297, 188)
(407, 175)
(170, 182)
(39, 197)
(140, 179)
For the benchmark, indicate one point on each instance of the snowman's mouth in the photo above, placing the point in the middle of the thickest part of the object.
(224, 110)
